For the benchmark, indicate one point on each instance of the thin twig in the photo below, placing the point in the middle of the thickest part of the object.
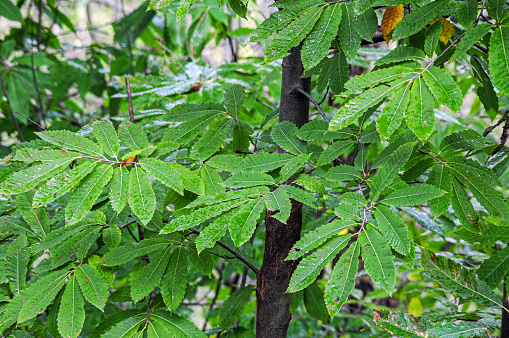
(152, 296)
(325, 96)
(233, 251)
(265, 104)
(125, 225)
(39, 28)
(132, 235)
(6, 238)
(434, 156)
(20, 134)
(29, 119)
(225, 257)
(129, 99)
(317, 105)
(37, 92)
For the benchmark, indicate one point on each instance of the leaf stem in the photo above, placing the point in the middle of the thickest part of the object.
(434, 156)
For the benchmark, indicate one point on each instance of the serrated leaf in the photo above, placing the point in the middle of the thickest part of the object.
(463, 140)
(342, 280)
(71, 313)
(339, 73)
(417, 19)
(233, 99)
(189, 129)
(283, 134)
(107, 137)
(366, 24)
(333, 151)
(470, 38)
(310, 266)
(212, 139)
(462, 206)
(318, 42)
(84, 197)
(449, 329)
(164, 173)
(191, 180)
(292, 34)
(400, 324)
(349, 112)
(494, 269)
(432, 37)
(393, 229)
(213, 232)
(292, 166)
(42, 155)
(158, 4)
(127, 252)
(126, 328)
(201, 260)
(141, 195)
(496, 9)
(243, 225)
(112, 236)
(390, 170)
(228, 196)
(40, 294)
(343, 173)
(119, 189)
(378, 259)
(279, 200)
(413, 195)
(392, 16)
(485, 90)
(173, 286)
(28, 179)
(148, 277)
(499, 58)
(392, 115)
(68, 140)
(239, 7)
(440, 177)
(178, 327)
(348, 37)
(347, 211)
(16, 264)
(249, 179)
(37, 218)
(313, 301)
(444, 88)
(94, 286)
(132, 136)
(420, 117)
(401, 54)
(212, 181)
(467, 12)
(61, 184)
(263, 162)
(233, 307)
(300, 195)
(454, 278)
(14, 224)
(378, 76)
(314, 238)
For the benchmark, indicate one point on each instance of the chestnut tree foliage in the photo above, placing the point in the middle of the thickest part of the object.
(116, 225)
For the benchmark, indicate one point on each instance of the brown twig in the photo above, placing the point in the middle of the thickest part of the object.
(129, 99)
(20, 134)
(29, 119)
(317, 105)
(434, 156)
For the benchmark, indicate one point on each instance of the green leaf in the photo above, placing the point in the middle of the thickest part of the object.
(292, 34)
(164, 173)
(393, 228)
(292, 166)
(310, 266)
(318, 42)
(112, 236)
(107, 138)
(14, 224)
(455, 278)
(417, 19)
(84, 197)
(228, 196)
(132, 136)
(420, 117)
(233, 307)
(499, 58)
(313, 301)
(440, 177)
(183, 8)
(373, 78)
(300, 195)
(401, 54)
(155, 329)
(16, 264)
(463, 165)
(36, 218)
(212, 139)
(243, 225)
(342, 173)
(249, 179)
(239, 7)
(444, 88)
(71, 314)
(485, 90)
(119, 189)
(392, 115)
(342, 280)
(467, 13)
(158, 4)
(378, 259)
(283, 134)
(279, 200)
(339, 73)
(127, 327)
(42, 155)
(432, 38)
(241, 139)
(496, 9)
(335, 150)
(263, 162)
(233, 99)
(68, 140)
(348, 37)
(400, 324)
(201, 215)
(212, 181)
(93, 285)
(494, 269)
(350, 111)
(200, 260)
(148, 277)
(178, 327)
(188, 130)
(463, 140)
(315, 238)
(127, 252)
(366, 24)
(191, 180)
(215, 231)
(10, 11)
(413, 195)
(141, 195)
(174, 282)
(390, 170)
(28, 179)
(450, 329)
(462, 206)
(61, 184)
(471, 37)
(40, 294)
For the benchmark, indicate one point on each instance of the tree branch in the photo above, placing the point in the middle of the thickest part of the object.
(317, 105)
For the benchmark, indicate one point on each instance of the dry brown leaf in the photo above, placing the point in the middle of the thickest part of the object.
(392, 15)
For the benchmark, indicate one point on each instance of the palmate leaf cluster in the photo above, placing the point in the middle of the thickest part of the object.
(133, 214)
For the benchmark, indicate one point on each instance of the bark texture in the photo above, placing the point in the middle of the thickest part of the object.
(273, 304)
(505, 314)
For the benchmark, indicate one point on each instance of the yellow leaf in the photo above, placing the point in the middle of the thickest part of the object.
(447, 30)
(344, 232)
(415, 307)
(129, 159)
(392, 15)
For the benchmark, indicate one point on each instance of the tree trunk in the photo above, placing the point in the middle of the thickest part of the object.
(273, 304)
(505, 314)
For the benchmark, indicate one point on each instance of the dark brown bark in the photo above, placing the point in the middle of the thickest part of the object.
(505, 314)
(273, 304)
